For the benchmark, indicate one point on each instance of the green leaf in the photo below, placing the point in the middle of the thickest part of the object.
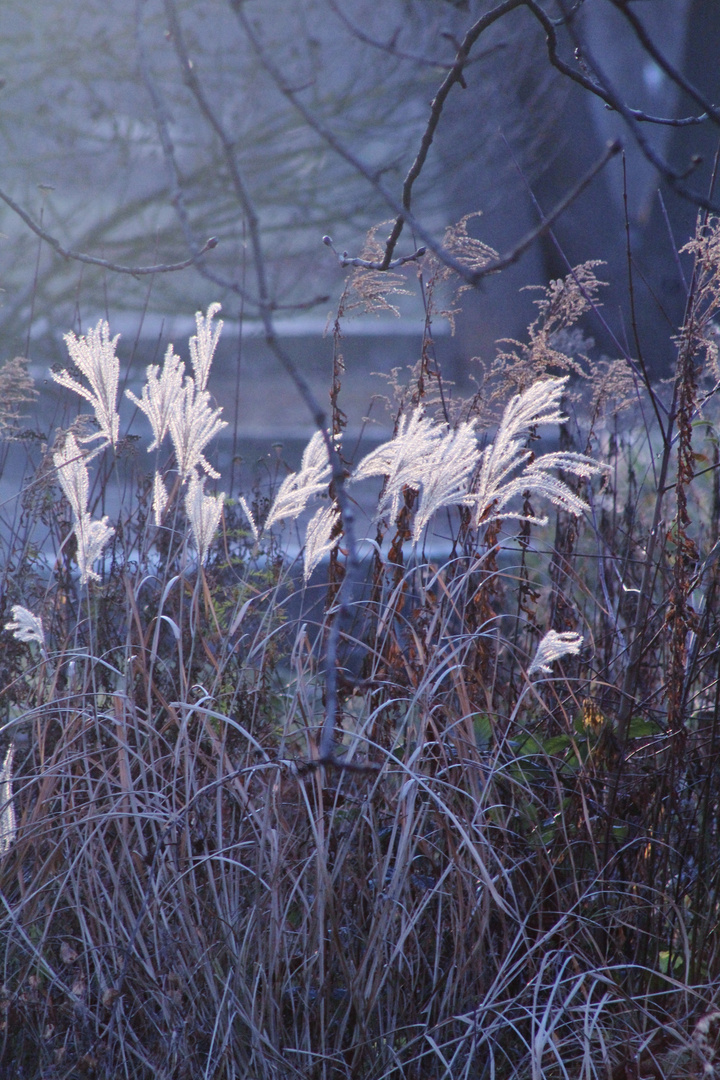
(642, 728)
(483, 730)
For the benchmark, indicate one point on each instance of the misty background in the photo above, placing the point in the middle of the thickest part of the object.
(110, 147)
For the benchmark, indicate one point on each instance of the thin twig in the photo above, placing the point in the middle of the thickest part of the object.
(371, 175)
(177, 187)
(389, 46)
(633, 311)
(368, 264)
(163, 125)
(548, 220)
(405, 216)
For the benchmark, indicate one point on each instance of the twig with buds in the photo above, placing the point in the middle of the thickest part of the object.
(368, 264)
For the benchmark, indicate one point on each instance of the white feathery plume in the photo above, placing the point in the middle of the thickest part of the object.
(160, 498)
(203, 512)
(402, 460)
(91, 536)
(298, 488)
(251, 518)
(94, 356)
(26, 626)
(8, 821)
(446, 474)
(553, 647)
(73, 475)
(442, 465)
(192, 424)
(539, 404)
(203, 345)
(160, 394)
(319, 541)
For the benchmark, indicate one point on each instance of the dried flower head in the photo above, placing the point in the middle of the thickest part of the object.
(298, 488)
(203, 513)
(26, 627)
(92, 536)
(73, 475)
(402, 460)
(193, 423)
(552, 346)
(16, 389)
(706, 1039)
(319, 538)
(204, 343)
(553, 647)
(472, 253)
(495, 486)
(160, 498)
(250, 517)
(368, 291)
(446, 474)
(181, 405)
(446, 468)
(160, 394)
(94, 356)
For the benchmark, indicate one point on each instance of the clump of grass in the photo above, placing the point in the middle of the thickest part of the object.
(510, 866)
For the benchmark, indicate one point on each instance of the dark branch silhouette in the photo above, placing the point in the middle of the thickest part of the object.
(106, 264)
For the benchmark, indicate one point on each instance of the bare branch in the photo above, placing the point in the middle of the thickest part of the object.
(404, 214)
(711, 111)
(106, 264)
(594, 87)
(371, 175)
(390, 46)
(367, 264)
(475, 276)
(603, 89)
(455, 75)
(177, 188)
(192, 82)
(162, 123)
